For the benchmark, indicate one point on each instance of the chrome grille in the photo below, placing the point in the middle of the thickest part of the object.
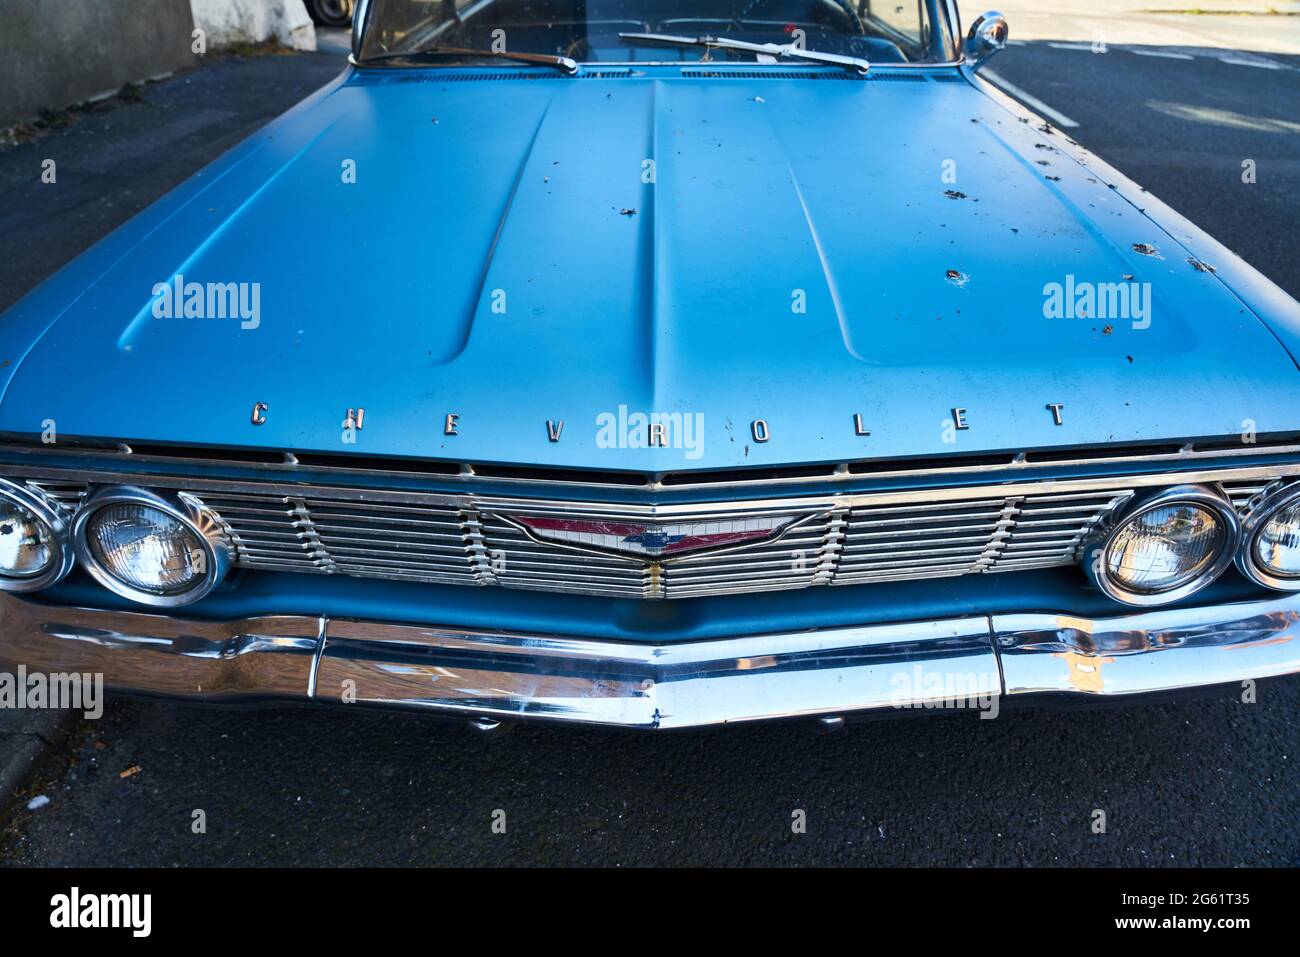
(985, 535)
(367, 540)
(836, 540)
(1241, 493)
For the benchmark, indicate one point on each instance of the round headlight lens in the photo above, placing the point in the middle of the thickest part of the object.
(146, 549)
(1277, 545)
(27, 543)
(1165, 547)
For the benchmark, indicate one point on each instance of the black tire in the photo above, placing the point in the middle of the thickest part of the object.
(331, 13)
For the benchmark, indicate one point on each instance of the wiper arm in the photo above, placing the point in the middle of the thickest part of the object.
(564, 63)
(786, 50)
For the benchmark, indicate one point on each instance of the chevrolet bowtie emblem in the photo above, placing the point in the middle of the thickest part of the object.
(651, 540)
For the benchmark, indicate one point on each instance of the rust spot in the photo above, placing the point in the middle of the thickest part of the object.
(1146, 249)
(1107, 330)
(1198, 265)
(957, 278)
(954, 194)
(627, 212)
(1054, 179)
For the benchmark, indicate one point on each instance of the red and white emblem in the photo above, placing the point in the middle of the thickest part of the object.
(652, 539)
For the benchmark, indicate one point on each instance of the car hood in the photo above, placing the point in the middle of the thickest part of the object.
(589, 251)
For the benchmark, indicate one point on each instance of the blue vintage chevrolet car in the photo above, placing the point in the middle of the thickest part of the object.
(694, 362)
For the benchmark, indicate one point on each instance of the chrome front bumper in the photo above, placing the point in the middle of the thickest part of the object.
(977, 661)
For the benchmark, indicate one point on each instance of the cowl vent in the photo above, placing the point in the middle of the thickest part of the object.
(446, 76)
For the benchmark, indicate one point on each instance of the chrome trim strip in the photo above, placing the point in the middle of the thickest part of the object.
(315, 658)
(832, 499)
(971, 661)
(746, 478)
(359, 17)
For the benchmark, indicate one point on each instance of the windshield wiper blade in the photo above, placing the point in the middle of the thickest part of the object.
(564, 63)
(786, 50)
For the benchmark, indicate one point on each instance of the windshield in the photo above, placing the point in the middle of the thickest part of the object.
(880, 31)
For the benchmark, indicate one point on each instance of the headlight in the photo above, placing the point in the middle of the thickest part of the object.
(34, 548)
(152, 550)
(1166, 548)
(1270, 551)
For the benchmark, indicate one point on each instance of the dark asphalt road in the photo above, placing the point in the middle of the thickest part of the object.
(1211, 782)
(1206, 782)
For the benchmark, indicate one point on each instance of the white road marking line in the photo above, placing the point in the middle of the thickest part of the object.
(1262, 64)
(1162, 53)
(1033, 102)
(1071, 46)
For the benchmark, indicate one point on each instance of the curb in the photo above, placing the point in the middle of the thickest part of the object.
(23, 744)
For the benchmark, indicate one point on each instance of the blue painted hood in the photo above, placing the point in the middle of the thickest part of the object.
(514, 251)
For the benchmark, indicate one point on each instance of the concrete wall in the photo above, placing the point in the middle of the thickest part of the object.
(237, 21)
(54, 53)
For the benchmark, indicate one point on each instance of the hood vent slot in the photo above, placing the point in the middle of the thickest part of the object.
(896, 77)
(441, 76)
(767, 75)
(802, 75)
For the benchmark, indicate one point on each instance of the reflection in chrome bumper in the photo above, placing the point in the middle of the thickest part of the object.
(973, 660)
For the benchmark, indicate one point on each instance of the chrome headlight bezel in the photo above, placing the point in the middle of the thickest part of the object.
(52, 517)
(1094, 555)
(183, 508)
(1254, 522)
